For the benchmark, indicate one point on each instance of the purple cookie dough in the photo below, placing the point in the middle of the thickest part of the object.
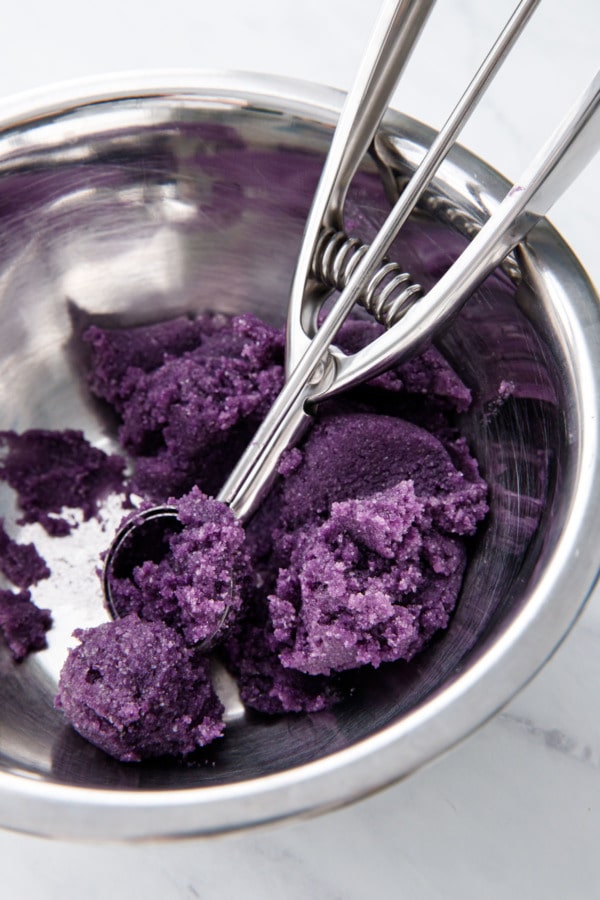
(22, 624)
(53, 470)
(20, 563)
(201, 577)
(354, 455)
(369, 543)
(356, 557)
(186, 416)
(264, 683)
(117, 352)
(370, 585)
(136, 691)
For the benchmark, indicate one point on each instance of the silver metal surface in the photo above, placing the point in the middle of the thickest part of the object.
(551, 172)
(358, 122)
(314, 370)
(322, 370)
(388, 292)
(134, 201)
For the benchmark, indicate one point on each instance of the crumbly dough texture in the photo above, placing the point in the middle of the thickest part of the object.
(355, 559)
(201, 578)
(135, 690)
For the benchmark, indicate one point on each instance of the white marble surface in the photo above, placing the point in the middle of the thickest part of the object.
(515, 811)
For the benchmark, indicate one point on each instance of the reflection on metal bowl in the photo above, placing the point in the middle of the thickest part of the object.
(131, 202)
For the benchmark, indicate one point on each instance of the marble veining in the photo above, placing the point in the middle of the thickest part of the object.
(554, 738)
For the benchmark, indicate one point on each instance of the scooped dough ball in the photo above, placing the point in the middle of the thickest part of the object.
(200, 578)
(136, 691)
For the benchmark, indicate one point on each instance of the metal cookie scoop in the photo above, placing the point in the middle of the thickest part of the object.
(316, 369)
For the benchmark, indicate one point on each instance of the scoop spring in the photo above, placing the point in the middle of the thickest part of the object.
(390, 291)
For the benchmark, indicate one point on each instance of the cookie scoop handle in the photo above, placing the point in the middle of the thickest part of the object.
(571, 147)
(392, 40)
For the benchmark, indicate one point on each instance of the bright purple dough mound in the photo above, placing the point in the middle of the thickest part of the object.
(117, 352)
(355, 558)
(23, 624)
(136, 691)
(53, 470)
(375, 552)
(354, 455)
(200, 579)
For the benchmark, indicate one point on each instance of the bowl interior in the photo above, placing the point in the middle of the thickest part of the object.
(137, 209)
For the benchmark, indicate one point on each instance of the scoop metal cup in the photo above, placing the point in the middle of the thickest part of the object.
(166, 518)
(165, 515)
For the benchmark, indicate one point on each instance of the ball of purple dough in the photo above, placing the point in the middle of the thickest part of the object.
(136, 691)
(200, 580)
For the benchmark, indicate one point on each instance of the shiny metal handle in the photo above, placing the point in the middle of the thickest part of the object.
(553, 169)
(256, 470)
(312, 358)
(439, 149)
(369, 263)
(394, 35)
(359, 120)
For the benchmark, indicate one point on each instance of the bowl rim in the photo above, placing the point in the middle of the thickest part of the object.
(447, 716)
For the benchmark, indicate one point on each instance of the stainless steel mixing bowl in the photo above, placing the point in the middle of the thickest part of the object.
(131, 201)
